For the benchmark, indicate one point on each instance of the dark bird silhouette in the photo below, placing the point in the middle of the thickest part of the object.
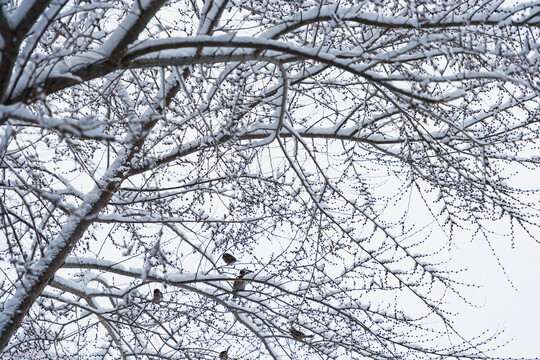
(240, 285)
(229, 259)
(298, 335)
(224, 355)
(158, 295)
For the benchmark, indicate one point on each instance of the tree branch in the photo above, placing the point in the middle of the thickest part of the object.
(26, 15)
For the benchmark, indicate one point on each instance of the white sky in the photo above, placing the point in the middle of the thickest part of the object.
(516, 311)
(502, 307)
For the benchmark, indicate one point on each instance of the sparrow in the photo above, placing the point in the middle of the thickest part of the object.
(298, 335)
(228, 258)
(224, 355)
(240, 285)
(158, 295)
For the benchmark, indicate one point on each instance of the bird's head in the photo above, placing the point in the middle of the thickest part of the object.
(244, 272)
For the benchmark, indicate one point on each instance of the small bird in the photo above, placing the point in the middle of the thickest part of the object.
(158, 295)
(224, 355)
(240, 285)
(228, 258)
(298, 335)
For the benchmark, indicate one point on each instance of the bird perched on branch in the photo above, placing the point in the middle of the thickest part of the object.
(228, 258)
(224, 355)
(240, 285)
(158, 295)
(298, 335)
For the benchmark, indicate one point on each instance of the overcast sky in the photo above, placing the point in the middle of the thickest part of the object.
(516, 310)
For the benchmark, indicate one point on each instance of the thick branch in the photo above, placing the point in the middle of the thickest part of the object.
(110, 54)
(37, 278)
(28, 13)
(130, 28)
